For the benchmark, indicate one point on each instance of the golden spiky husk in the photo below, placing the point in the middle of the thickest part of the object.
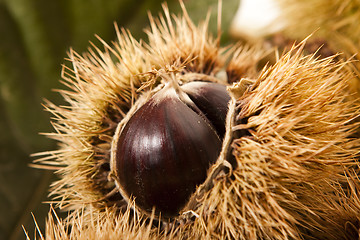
(288, 169)
(296, 173)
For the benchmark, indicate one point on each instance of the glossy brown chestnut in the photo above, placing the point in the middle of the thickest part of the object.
(164, 150)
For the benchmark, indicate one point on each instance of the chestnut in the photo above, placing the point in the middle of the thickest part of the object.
(166, 147)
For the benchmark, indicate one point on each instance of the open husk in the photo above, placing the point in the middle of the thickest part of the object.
(288, 167)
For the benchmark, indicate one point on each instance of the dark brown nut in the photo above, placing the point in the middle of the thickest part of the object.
(165, 149)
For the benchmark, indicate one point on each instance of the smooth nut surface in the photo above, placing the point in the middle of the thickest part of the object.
(164, 150)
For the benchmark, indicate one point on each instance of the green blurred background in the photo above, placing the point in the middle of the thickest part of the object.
(34, 38)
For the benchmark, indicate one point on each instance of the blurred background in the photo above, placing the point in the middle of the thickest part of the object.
(34, 38)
